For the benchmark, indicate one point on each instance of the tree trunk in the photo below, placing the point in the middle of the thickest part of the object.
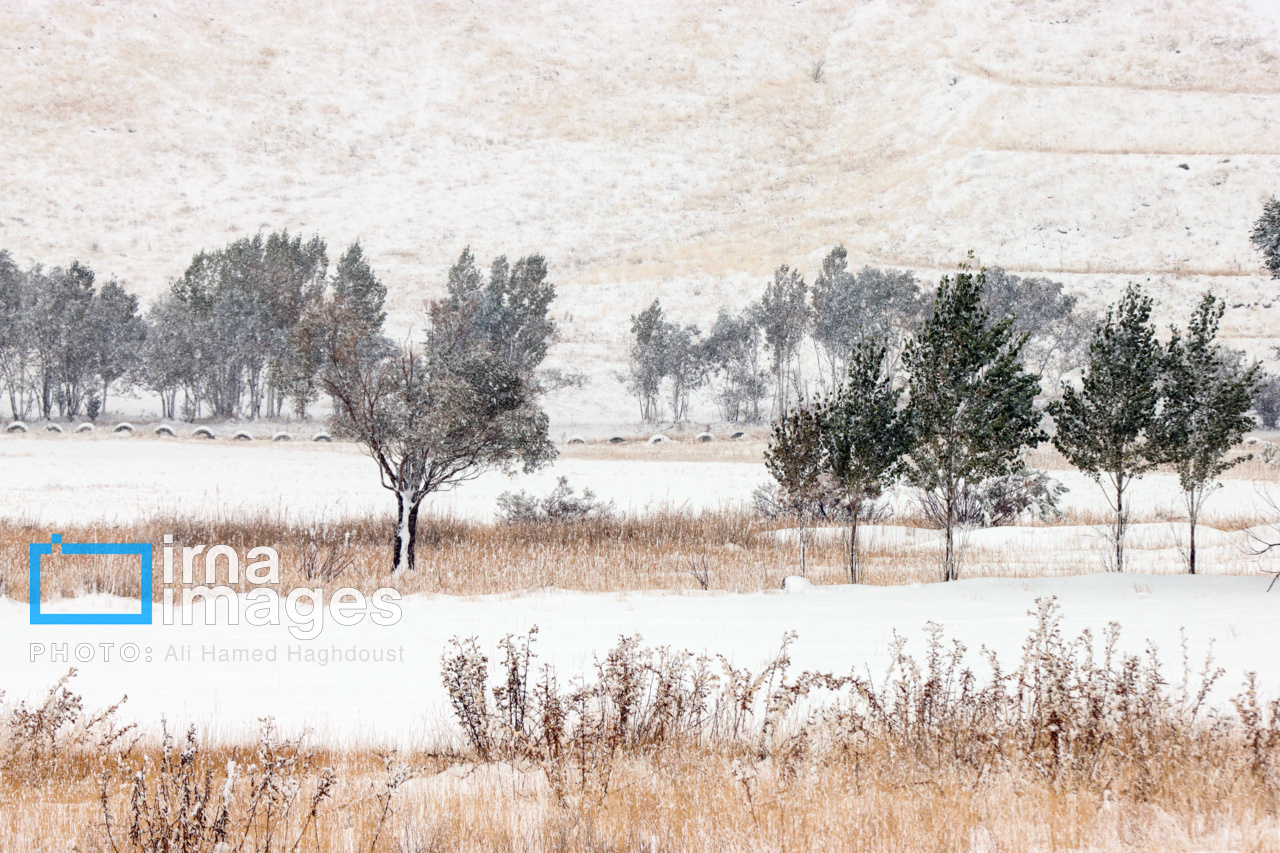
(1120, 524)
(406, 532)
(949, 560)
(854, 512)
(802, 566)
(1193, 512)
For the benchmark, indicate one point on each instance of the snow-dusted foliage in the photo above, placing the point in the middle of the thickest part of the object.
(998, 501)
(63, 341)
(561, 504)
(462, 402)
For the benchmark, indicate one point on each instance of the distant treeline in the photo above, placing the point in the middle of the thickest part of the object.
(222, 341)
(755, 354)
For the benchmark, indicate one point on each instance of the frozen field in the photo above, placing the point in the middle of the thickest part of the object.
(839, 628)
(120, 479)
(107, 478)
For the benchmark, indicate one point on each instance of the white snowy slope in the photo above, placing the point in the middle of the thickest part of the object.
(839, 628)
(664, 148)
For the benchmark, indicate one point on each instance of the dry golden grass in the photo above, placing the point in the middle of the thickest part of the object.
(730, 549)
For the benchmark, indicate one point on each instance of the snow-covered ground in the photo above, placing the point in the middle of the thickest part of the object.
(73, 479)
(840, 627)
(112, 478)
(56, 481)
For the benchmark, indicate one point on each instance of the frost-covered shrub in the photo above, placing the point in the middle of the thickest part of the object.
(182, 801)
(998, 501)
(41, 740)
(561, 504)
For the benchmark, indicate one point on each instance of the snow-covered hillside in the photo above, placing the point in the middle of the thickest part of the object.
(665, 148)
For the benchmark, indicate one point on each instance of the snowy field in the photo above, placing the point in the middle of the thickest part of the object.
(839, 628)
(122, 479)
(72, 480)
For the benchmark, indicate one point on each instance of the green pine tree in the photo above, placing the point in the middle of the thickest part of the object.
(971, 401)
(1205, 411)
(356, 282)
(1104, 429)
(795, 459)
(1266, 236)
(864, 435)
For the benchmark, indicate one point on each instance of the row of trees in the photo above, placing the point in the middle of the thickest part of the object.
(221, 341)
(750, 355)
(960, 410)
(63, 340)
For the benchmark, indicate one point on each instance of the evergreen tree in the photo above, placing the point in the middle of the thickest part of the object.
(1266, 236)
(971, 401)
(355, 281)
(1104, 429)
(1205, 410)
(117, 334)
(864, 436)
(795, 459)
